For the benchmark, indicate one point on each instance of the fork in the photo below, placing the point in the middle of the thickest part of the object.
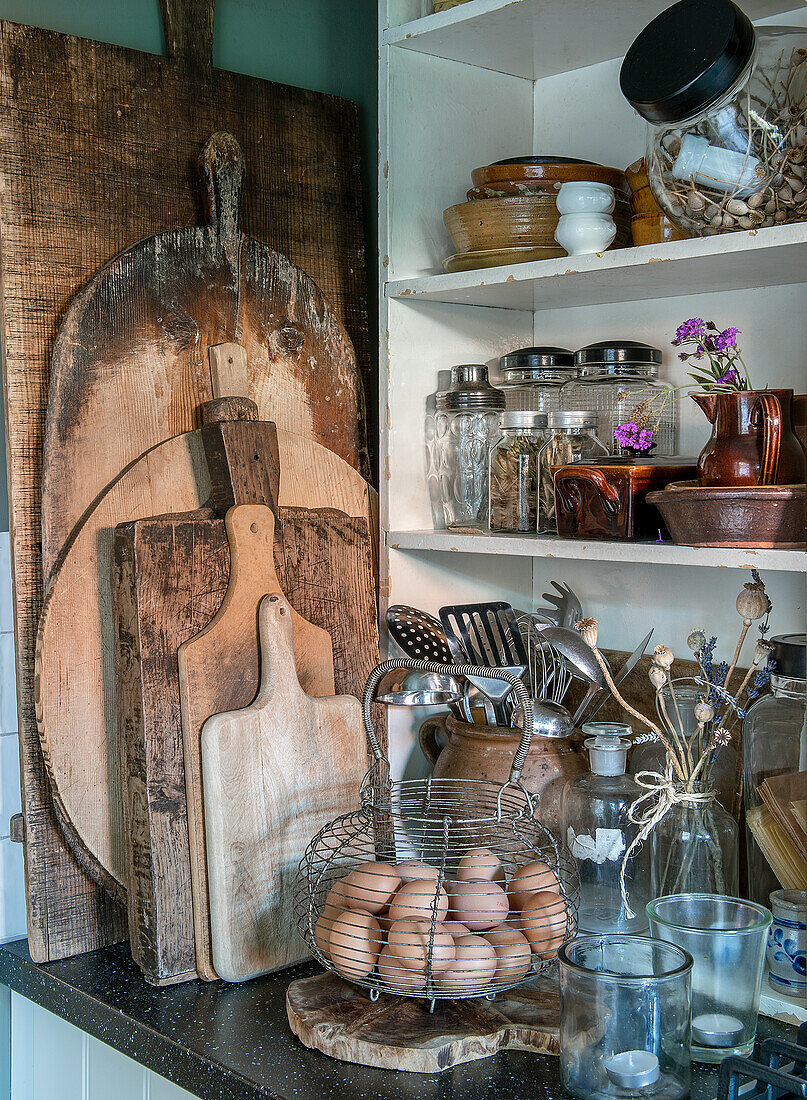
(566, 609)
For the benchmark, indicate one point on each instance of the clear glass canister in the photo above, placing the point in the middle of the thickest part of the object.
(514, 471)
(572, 438)
(726, 106)
(532, 377)
(624, 1018)
(465, 425)
(618, 380)
(775, 748)
(596, 825)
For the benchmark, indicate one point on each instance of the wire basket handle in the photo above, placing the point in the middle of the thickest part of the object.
(410, 663)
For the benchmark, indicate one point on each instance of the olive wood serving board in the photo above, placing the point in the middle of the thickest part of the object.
(218, 671)
(98, 146)
(330, 1015)
(75, 668)
(274, 774)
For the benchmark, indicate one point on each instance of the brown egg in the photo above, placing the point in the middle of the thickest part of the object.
(370, 886)
(479, 864)
(472, 970)
(411, 869)
(335, 905)
(401, 972)
(454, 928)
(354, 943)
(479, 905)
(410, 939)
(513, 954)
(543, 922)
(416, 900)
(529, 879)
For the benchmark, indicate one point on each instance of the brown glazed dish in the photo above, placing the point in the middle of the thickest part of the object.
(607, 498)
(750, 516)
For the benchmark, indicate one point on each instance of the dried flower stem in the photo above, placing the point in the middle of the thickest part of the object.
(677, 740)
(746, 678)
(635, 713)
(736, 657)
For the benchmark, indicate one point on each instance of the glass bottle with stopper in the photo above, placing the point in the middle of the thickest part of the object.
(595, 814)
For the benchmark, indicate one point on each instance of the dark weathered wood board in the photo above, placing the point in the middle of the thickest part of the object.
(98, 149)
(323, 563)
(340, 1020)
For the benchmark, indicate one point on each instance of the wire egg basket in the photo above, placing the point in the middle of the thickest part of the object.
(437, 888)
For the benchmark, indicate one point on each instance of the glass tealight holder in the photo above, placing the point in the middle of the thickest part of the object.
(624, 1018)
(726, 938)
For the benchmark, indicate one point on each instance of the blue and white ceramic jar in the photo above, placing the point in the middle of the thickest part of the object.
(787, 942)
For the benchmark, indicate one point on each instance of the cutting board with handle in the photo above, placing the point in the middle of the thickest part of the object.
(74, 684)
(218, 671)
(274, 774)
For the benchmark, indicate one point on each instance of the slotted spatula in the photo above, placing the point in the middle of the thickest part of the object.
(486, 635)
(418, 634)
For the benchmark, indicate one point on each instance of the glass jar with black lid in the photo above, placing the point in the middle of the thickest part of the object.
(618, 380)
(532, 378)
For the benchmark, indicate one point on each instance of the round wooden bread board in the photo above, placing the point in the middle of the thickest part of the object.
(339, 1019)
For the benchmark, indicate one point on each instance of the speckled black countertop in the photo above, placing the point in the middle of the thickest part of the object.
(232, 1042)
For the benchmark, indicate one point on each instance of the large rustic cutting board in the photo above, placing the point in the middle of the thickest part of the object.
(75, 682)
(274, 774)
(98, 147)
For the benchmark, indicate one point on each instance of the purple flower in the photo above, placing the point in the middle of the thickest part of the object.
(689, 330)
(729, 377)
(726, 339)
(632, 437)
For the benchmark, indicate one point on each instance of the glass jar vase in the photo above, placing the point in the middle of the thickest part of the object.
(774, 743)
(624, 1018)
(618, 380)
(514, 471)
(572, 438)
(696, 844)
(532, 378)
(725, 104)
(465, 425)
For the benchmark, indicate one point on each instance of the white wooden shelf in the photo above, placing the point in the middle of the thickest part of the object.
(533, 38)
(533, 546)
(731, 261)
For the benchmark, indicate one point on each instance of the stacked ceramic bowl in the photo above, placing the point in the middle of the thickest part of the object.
(511, 214)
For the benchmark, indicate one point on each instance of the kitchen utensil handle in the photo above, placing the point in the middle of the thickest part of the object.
(427, 735)
(767, 413)
(567, 476)
(223, 167)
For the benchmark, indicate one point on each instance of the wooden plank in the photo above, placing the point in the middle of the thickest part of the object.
(274, 774)
(218, 671)
(97, 150)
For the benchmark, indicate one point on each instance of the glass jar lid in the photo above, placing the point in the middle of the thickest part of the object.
(572, 419)
(522, 418)
(542, 358)
(470, 391)
(790, 654)
(605, 354)
(686, 59)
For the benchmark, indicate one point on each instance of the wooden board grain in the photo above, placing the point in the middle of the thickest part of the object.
(218, 671)
(339, 1019)
(75, 680)
(274, 774)
(98, 148)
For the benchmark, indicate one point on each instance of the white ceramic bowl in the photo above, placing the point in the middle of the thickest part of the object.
(582, 234)
(580, 197)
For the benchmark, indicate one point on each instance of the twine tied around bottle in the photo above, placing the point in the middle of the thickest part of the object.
(662, 792)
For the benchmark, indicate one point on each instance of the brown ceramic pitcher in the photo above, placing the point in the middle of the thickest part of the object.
(486, 753)
(753, 441)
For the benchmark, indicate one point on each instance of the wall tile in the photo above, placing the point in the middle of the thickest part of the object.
(8, 685)
(6, 612)
(59, 1058)
(12, 891)
(10, 800)
(161, 1089)
(111, 1074)
(22, 1046)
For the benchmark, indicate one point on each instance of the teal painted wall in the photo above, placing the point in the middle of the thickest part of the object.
(326, 45)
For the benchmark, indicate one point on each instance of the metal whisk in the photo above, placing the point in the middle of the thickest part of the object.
(548, 673)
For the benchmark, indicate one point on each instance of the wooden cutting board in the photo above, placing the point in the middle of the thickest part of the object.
(75, 668)
(218, 672)
(339, 1019)
(98, 147)
(132, 350)
(274, 774)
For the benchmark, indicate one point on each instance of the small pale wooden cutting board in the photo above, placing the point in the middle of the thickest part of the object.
(273, 774)
(218, 672)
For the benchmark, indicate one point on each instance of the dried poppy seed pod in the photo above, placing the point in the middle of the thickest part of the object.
(587, 629)
(762, 651)
(696, 639)
(658, 676)
(704, 712)
(663, 657)
(752, 603)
